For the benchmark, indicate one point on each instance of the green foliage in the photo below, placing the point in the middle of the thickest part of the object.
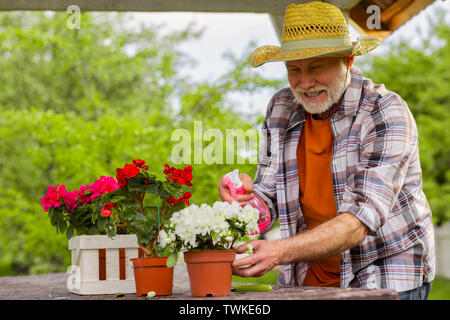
(29, 244)
(440, 289)
(77, 104)
(420, 76)
(144, 216)
(85, 219)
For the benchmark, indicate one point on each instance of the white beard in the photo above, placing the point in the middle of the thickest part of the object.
(334, 93)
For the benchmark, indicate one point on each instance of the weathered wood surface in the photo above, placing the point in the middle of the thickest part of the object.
(53, 287)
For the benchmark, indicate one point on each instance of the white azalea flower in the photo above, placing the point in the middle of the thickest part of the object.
(193, 225)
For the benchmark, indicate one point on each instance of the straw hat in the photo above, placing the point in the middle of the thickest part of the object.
(314, 29)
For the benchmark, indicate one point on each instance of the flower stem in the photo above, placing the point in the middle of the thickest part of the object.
(232, 243)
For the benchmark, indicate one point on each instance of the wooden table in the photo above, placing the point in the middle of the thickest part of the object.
(53, 287)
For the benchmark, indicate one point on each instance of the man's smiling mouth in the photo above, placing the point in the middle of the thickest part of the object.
(314, 93)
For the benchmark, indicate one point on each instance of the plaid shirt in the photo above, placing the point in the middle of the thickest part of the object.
(376, 177)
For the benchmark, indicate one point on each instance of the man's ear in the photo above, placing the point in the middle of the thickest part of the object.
(350, 61)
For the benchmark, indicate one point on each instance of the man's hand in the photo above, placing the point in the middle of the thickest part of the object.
(326, 240)
(266, 255)
(225, 194)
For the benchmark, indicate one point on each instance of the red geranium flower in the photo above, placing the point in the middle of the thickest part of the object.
(168, 170)
(121, 177)
(106, 211)
(181, 176)
(130, 170)
(139, 163)
(185, 197)
(187, 175)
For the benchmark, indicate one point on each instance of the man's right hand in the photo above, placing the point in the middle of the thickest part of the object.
(225, 194)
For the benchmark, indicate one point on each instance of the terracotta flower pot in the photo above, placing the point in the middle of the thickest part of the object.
(152, 274)
(210, 272)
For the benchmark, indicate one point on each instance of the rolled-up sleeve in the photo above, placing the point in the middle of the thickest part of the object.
(388, 141)
(265, 188)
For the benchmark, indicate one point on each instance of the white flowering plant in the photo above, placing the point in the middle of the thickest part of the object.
(205, 227)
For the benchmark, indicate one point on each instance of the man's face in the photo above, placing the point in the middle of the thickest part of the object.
(317, 83)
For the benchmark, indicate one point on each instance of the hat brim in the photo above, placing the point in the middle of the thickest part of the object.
(272, 53)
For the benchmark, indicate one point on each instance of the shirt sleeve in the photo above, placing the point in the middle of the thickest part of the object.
(388, 141)
(264, 184)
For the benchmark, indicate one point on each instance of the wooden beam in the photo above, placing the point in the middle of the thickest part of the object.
(342, 4)
(383, 4)
(392, 17)
(407, 13)
(359, 16)
(255, 6)
(393, 9)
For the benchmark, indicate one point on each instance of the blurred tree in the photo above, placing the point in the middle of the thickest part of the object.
(77, 104)
(100, 68)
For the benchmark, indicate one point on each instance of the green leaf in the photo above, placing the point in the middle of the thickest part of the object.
(167, 190)
(128, 210)
(137, 184)
(101, 223)
(139, 220)
(172, 260)
(251, 288)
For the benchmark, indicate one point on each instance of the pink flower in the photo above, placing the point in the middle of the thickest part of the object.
(102, 186)
(70, 198)
(83, 197)
(52, 197)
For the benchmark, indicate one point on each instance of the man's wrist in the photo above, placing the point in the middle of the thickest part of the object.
(283, 251)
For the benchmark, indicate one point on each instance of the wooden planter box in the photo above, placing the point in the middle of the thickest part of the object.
(101, 265)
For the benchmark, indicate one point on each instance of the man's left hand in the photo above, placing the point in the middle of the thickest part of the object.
(266, 255)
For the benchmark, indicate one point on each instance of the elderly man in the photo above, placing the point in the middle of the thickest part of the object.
(339, 167)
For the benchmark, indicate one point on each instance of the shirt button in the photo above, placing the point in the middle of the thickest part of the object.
(340, 197)
(334, 162)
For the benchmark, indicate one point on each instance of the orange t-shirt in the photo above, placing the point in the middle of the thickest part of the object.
(314, 153)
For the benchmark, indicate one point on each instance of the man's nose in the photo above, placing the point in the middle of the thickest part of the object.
(306, 82)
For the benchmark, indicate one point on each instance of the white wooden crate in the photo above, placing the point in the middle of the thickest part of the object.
(97, 267)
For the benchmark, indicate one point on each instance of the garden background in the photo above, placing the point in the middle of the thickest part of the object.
(77, 104)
